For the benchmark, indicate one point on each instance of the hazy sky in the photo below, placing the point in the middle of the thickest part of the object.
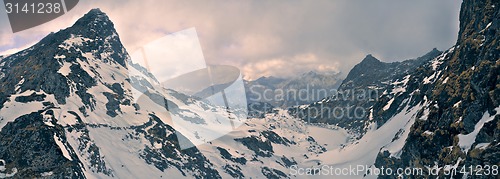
(280, 38)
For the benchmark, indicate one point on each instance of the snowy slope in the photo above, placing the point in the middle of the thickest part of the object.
(281, 140)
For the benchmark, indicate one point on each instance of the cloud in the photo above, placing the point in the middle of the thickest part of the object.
(284, 65)
(6, 39)
(172, 55)
(15, 50)
(260, 34)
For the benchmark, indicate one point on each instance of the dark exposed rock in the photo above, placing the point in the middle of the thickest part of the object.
(226, 155)
(170, 152)
(259, 147)
(32, 97)
(287, 162)
(29, 146)
(470, 92)
(113, 105)
(275, 138)
(273, 173)
(234, 171)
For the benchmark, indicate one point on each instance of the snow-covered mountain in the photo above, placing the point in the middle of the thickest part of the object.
(74, 105)
(69, 107)
(443, 114)
(368, 82)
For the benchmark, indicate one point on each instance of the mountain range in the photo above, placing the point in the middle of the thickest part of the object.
(349, 107)
(442, 112)
(75, 105)
(299, 90)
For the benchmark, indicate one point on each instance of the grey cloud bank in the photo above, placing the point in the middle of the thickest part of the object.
(275, 38)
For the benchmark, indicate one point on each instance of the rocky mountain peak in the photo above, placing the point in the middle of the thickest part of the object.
(428, 56)
(310, 73)
(370, 59)
(434, 51)
(94, 25)
(269, 80)
(66, 57)
(92, 17)
(96, 11)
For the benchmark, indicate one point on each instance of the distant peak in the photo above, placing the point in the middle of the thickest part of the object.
(93, 24)
(370, 59)
(267, 78)
(94, 16)
(95, 11)
(311, 73)
(97, 26)
(433, 52)
(272, 79)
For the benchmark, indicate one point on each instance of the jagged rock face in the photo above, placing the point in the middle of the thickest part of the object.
(372, 72)
(442, 113)
(29, 147)
(94, 33)
(461, 124)
(354, 104)
(96, 25)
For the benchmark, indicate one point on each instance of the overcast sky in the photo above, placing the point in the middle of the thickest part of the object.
(280, 38)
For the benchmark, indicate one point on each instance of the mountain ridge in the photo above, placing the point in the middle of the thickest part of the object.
(80, 108)
(284, 92)
(363, 86)
(77, 107)
(76, 84)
